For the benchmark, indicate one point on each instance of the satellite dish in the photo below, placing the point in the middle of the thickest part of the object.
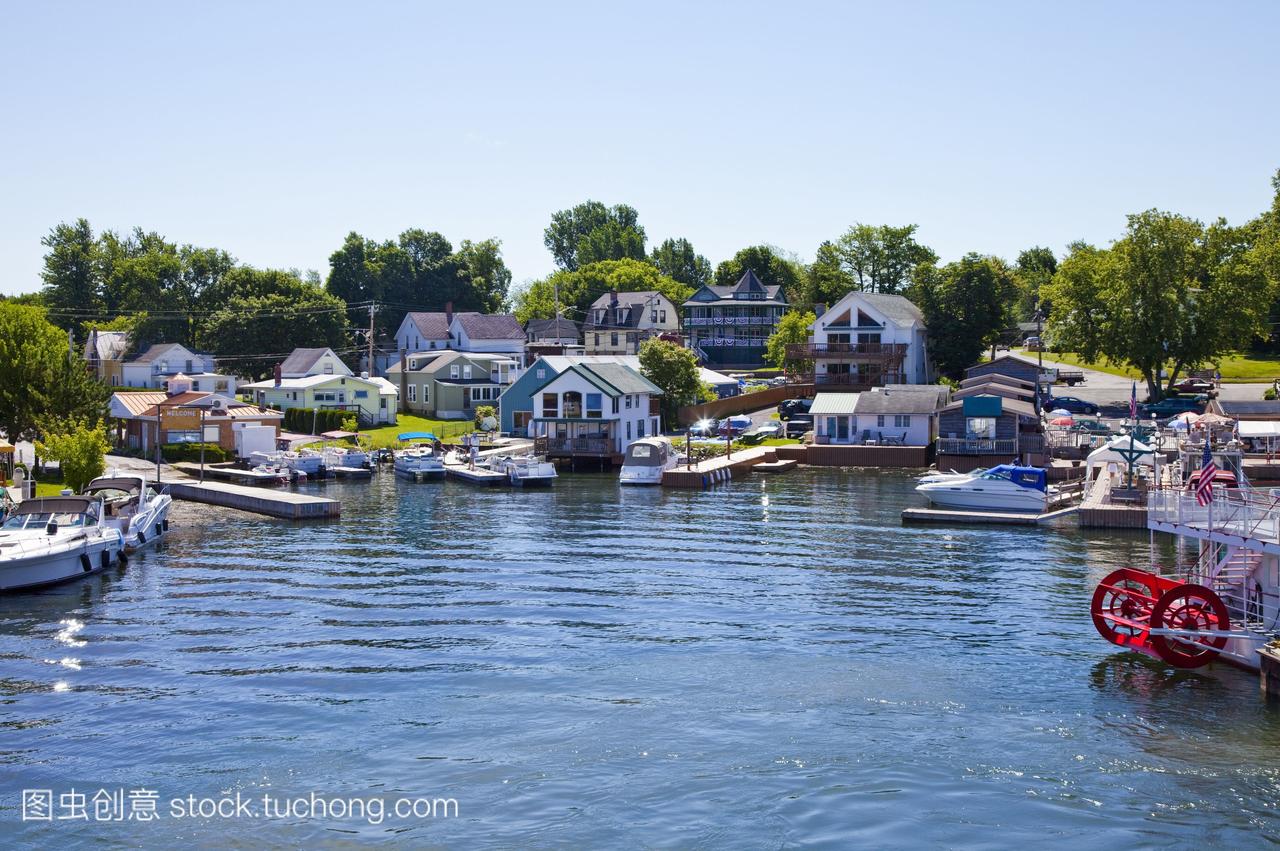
(489, 424)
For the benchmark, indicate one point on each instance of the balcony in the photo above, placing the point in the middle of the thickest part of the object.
(847, 351)
(567, 447)
(978, 446)
(840, 380)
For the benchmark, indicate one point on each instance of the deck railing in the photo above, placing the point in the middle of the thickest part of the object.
(871, 351)
(1234, 511)
(579, 446)
(967, 446)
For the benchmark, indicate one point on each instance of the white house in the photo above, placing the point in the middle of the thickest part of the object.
(904, 415)
(163, 361)
(304, 362)
(618, 322)
(373, 400)
(868, 340)
(595, 410)
(481, 333)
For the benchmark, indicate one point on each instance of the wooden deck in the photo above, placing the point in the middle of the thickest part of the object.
(229, 474)
(1098, 512)
(718, 470)
(828, 455)
(273, 503)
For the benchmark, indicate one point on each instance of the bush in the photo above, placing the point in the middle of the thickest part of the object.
(1269, 394)
(80, 452)
(213, 453)
(482, 413)
(302, 420)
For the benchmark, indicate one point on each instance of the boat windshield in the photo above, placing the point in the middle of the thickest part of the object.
(41, 519)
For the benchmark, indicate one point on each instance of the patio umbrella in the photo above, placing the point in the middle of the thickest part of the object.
(1179, 424)
(1061, 421)
(1186, 418)
(1059, 412)
(1213, 420)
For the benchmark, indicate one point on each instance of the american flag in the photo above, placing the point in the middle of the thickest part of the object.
(1133, 402)
(1208, 469)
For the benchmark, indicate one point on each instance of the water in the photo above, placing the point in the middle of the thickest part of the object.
(776, 663)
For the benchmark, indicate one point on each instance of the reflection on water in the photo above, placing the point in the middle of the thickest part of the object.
(776, 662)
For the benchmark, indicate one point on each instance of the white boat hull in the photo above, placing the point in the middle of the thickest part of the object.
(418, 472)
(60, 562)
(948, 494)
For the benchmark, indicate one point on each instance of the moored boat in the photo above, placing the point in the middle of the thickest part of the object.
(646, 460)
(53, 539)
(131, 505)
(1005, 487)
(418, 461)
(525, 470)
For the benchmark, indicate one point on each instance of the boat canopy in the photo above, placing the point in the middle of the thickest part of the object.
(416, 435)
(1026, 477)
(58, 505)
(644, 453)
(123, 483)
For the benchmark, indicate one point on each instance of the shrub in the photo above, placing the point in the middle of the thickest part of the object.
(1269, 394)
(213, 453)
(80, 452)
(482, 413)
(302, 420)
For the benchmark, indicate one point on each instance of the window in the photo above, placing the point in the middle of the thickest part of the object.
(613, 339)
(382, 403)
(466, 371)
(453, 370)
(628, 400)
(328, 369)
(640, 428)
(980, 428)
(426, 394)
(615, 404)
(413, 392)
(542, 373)
(597, 336)
(880, 421)
(663, 314)
(902, 421)
(549, 404)
(595, 406)
(628, 430)
(362, 394)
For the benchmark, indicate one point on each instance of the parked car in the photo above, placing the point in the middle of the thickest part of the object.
(771, 429)
(1193, 385)
(1174, 405)
(1087, 426)
(735, 425)
(798, 425)
(1072, 404)
(704, 428)
(792, 407)
(1033, 344)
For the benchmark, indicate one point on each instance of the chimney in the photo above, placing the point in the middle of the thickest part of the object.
(278, 374)
(613, 297)
(448, 313)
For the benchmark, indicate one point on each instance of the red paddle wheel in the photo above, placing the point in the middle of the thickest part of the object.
(1190, 621)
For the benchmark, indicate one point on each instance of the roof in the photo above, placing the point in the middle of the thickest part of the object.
(432, 326)
(490, 326)
(995, 388)
(628, 297)
(997, 377)
(107, 345)
(301, 361)
(710, 376)
(1007, 356)
(159, 350)
(900, 309)
(614, 378)
(432, 361)
(136, 403)
(1007, 406)
(552, 328)
(1246, 408)
(901, 399)
(303, 383)
(748, 283)
(833, 403)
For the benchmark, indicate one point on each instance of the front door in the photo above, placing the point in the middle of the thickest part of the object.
(842, 429)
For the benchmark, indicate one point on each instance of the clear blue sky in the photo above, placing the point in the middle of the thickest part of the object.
(273, 129)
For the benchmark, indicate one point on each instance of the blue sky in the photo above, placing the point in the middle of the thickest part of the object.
(273, 129)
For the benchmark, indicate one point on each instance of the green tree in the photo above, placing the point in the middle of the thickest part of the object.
(1035, 268)
(591, 232)
(72, 274)
(252, 328)
(965, 305)
(827, 280)
(80, 450)
(485, 276)
(74, 392)
(880, 258)
(793, 329)
(1170, 295)
(32, 352)
(770, 266)
(676, 259)
(580, 288)
(675, 370)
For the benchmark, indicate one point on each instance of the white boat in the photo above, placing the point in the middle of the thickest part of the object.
(418, 462)
(949, 476)
(1001, 488)
(342, 457)
(646, 460)
(525, 470)
(133, 507)
(301, 464)
(53, 539)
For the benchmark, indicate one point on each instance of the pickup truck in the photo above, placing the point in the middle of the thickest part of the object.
(1069, 377)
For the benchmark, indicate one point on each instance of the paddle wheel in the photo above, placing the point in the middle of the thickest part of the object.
(1183, 623)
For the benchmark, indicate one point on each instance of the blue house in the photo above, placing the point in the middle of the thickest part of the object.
(515, 406)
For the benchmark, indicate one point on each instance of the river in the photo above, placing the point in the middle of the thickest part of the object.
(779, 662)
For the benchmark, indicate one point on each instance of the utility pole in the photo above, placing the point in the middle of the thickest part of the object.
(372, 308)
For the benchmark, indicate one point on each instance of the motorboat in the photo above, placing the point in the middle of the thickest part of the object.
(418, 461)
(949, 476)
(276, 474)
(525, 470)
(646, 460)
(1005, 487)
(132, 506)
(53, 539)
(336, 456)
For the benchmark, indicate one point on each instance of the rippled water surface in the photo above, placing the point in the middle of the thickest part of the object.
(777, 663)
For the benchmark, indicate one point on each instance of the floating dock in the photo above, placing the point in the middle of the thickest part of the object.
(273, 503)
(775, 466)
(1099, 512)
(478, 476)
(1007, 518)
(229, 474)
(717, 470)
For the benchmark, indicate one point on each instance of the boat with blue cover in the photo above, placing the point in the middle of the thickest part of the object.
(1006, 487)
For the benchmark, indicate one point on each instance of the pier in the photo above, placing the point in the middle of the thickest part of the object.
(274, 503)
(1101, 509)
(478, 476)
(228, 474)
(718, 470)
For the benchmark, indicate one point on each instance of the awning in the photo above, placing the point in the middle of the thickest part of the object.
(1259, 428)
(337, 435)
(6, 448)
(416, 435)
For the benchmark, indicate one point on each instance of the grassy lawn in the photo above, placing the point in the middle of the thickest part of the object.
(1236, 369)
(43, 488)
(446, 430)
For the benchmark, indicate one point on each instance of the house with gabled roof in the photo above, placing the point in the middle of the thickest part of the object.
(482, 333)
(618, 322)
(104, 351)
(727, 326)
(161, 362)
(140, 419)
(594, 410)
(866, 340)
(319, 361)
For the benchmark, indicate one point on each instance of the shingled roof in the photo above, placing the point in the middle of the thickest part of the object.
(430, 325)
(490, 326)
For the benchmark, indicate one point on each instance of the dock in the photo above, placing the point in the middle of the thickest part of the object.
(718, 470)
(478, 476)
(229, 474)
(274, 503)
(775, 466)
(1098, 511)
(1007, 518)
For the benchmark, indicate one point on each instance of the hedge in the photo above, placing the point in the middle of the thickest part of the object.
(302, 420)
(213, 453)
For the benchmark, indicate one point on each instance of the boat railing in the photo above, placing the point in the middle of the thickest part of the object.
(1242, 512)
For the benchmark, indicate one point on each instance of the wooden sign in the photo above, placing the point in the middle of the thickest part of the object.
(180, 419)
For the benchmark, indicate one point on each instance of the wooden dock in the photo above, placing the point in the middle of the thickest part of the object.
(718, 470)
(274, 503)
(1099, 512)
(229, 474)
(478, 476)
(1009, 518)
